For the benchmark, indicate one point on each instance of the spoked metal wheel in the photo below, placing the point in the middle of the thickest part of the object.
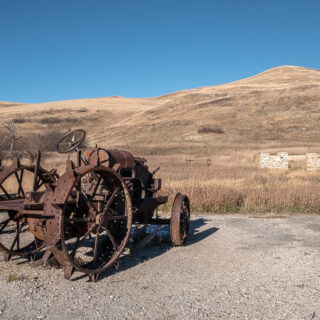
(180, 220)
(96, 229)
(15, 237)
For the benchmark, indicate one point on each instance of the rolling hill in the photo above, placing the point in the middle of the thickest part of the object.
(272, 110)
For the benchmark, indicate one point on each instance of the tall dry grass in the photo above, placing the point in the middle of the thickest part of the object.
(237, 184)
(233, 183)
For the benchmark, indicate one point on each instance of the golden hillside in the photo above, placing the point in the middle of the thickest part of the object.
(277, 108)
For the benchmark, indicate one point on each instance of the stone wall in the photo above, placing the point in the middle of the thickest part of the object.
(312, 161)
(278, 161)
(281, 160)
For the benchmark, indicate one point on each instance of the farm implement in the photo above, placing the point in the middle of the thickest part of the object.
(82, 218)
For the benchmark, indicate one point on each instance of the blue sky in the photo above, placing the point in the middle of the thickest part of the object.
(67, 49)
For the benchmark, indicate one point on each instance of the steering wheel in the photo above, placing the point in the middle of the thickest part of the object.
(70, 141)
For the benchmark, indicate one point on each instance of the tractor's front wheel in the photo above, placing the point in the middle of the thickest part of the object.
(180, 220)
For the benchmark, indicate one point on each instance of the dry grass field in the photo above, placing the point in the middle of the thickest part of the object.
(234, 184)
(277, 110)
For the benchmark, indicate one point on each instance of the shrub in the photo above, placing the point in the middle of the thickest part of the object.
(19, 120)
(83, 109)
(50, 120)
(45, 142)
(209, 128)
(49, 139)
(56, 120)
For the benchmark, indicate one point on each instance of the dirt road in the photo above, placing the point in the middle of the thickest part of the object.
(232, 267)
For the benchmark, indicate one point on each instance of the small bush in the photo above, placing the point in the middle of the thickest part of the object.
(45, 142)
(49, 139)
(50, 120)
(56, 120)
(53, 111)
(70, 119)
(82, 110)
(209, 128)
(19, 120)
(220, 95)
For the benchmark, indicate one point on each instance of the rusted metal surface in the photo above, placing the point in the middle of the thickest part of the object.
(83, 218)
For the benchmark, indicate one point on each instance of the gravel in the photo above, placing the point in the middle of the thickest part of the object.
(232, 267)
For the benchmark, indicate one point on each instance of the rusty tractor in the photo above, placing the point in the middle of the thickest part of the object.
(82, 218)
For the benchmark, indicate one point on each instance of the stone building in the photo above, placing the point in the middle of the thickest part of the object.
(278, 161)
(281, 160)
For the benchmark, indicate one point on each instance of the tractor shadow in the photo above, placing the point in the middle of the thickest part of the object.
(195, 232)
(153, 241)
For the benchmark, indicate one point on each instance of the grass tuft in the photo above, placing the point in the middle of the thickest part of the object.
(13, 277)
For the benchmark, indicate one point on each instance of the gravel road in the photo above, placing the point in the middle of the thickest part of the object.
(232, 267)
